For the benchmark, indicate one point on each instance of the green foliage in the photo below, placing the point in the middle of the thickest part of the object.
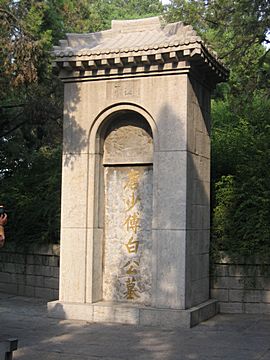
(237, 30)
(89, 16)
(222, 213)
(31, 111)
(31, 99)
(241, 154)
(33, 199)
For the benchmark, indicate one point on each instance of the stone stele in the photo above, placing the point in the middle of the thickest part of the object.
(136, 174)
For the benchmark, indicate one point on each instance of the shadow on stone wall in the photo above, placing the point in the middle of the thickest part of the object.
(171, 217)
(74, 136)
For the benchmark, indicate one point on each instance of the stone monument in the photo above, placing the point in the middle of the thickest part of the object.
(136, 174)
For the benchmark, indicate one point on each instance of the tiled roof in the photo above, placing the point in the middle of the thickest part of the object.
(133, 45)
(128, 36)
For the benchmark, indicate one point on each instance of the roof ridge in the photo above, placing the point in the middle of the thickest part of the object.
(137, 41)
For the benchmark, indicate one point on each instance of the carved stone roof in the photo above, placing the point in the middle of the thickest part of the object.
(133, 43)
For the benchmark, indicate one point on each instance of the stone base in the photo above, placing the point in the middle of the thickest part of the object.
(7, 346)
(133, 314)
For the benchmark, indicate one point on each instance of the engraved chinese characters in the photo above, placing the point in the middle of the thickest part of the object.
(128, 215)
(132, 223)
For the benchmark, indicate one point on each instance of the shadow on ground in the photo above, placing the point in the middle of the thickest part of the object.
(233, 337)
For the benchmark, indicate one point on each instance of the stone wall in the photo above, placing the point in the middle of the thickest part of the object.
(243, 287)
(35, 274)
(240, 288)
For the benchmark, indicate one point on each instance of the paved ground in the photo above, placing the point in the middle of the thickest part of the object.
(227, 337)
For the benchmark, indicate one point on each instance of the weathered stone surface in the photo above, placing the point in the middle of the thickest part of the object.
(33, 274)
(257, 308)
(72, 266)
(220, 294)
(73, 213)
(146, 109)
(198, 241)
(134, 314)
(169, 248)
(199, 266)
(128, 144)
(94, 265)
(231, 307)
(70, 310)
(199, 291)
(128, 238)
(171, 194)
(239, 288)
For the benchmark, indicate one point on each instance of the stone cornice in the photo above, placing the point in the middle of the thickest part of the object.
(87, 54)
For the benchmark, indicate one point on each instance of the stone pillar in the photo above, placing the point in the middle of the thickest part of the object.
(136, 175)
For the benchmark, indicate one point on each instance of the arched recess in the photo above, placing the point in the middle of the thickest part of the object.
(96, 131)
(120, 202)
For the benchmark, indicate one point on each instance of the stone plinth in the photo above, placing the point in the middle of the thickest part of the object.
(134, 314)
(7, 346)
(136, 174)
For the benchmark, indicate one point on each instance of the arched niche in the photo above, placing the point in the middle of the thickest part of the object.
(127, 169)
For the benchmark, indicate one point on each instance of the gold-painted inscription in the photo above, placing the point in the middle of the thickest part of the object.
(133, 222)
(132, 290)
(132, 246)
(132, 267)
(132, 182)
(127, 254)
(132, 202)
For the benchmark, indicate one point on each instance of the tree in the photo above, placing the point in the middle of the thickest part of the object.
(236, 30)
(31, 103)
(241, 152)
(29, 28)
(240, 130)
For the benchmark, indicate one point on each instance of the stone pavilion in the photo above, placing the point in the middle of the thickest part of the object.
(135, 217)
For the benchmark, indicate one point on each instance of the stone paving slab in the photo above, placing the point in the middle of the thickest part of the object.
(226, 337)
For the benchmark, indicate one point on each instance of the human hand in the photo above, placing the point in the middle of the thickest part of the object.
(3, 219)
